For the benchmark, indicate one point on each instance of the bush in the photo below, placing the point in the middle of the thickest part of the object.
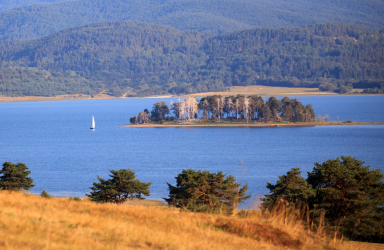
(75, 198)
(327, 87)
(45, 194)
(121, 187)
(202, 191)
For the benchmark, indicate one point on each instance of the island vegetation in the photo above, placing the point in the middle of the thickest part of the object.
(238, 108)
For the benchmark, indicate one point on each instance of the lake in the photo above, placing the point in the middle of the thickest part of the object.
(54, 140)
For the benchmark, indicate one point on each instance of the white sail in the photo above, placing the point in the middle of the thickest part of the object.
(93, 123)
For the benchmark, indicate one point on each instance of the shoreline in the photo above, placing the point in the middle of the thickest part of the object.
(260, 90)
(80, 98)
(261, 125)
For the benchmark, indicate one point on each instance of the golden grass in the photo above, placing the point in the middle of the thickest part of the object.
(268, 91)
(32, 222)
(247, 90)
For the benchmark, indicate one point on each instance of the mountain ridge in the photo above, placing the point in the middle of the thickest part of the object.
(214, 16)
(141, 59)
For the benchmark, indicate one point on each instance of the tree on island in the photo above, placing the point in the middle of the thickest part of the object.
(203, 191)
(121, 187)
(348, 195)
(159, 111)
(15, 177)
(239, 108)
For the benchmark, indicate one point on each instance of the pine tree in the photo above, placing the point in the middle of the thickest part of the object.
(121, 187)
(15, 177)
(351, 197)
(202, 191)
(291, 188)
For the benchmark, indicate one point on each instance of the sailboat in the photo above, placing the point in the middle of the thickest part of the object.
(93, 123)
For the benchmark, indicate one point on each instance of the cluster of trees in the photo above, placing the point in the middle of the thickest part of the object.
(139, 59)
(343, 192)
(230, 108)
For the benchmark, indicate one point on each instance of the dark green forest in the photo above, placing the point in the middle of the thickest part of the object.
(212, 16)
(9, 4)
(138, 59)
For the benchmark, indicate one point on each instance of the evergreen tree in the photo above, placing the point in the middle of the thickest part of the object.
(350, 195)
(291, 187)
(15, 177)
(121, 187)
(203, 191)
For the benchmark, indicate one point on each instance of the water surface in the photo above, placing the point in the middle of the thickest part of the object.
(65, 156)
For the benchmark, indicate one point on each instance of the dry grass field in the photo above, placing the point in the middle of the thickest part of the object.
(270, 91)
(248, 90)
(32, 222)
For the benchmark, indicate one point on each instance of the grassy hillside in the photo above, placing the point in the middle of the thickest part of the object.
(33, 222)
(139, 59)
(215, 16)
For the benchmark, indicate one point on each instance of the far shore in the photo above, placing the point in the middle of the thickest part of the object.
(259, 90)
(252, 124)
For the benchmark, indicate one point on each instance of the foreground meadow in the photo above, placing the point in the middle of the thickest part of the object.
(33, 222)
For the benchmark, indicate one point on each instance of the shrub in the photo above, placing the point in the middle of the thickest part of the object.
(45, 194)
(75, 198)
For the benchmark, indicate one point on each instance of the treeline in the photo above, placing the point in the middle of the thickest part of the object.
(213, 16)
(137, 59)
(231, 108)
(340, 195)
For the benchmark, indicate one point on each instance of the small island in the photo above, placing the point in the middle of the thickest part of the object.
(234, 111)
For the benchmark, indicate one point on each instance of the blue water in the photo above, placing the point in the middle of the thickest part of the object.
(65, 156)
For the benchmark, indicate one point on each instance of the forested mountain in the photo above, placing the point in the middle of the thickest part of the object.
(9, 4)
(139, 59)
(214, 16)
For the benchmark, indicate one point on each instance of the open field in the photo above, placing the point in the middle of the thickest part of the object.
(252, 124)
(53, 98)
(271, 91)
(33, 222)
(248, 90)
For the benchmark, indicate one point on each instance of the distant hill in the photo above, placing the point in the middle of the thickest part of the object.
(140, 59)
(9, 4)
(214, 16)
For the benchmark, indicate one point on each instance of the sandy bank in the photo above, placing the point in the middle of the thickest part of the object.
(302, 124)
